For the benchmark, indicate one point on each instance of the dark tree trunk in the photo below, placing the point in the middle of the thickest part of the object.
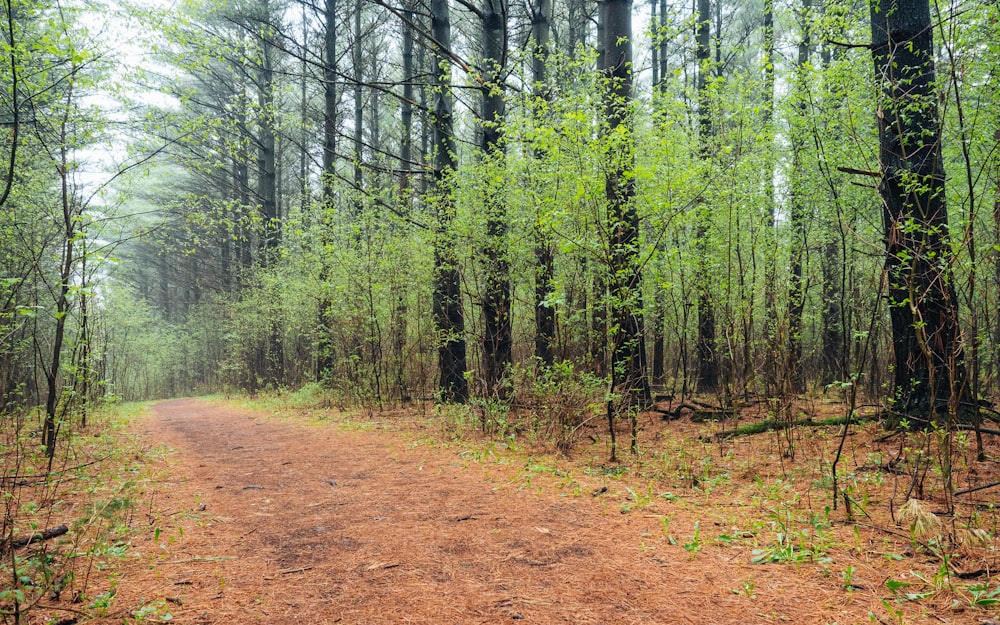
(266, 153)
(545, 312)
(659, 344)
(708, 372)
(304, 120)
(797, 217)
(358, 105)
(664, 43)
(399, 313)
(324, 348)
(996, 270)
(497, 341)
(628, 357)
(406, 107)
(449, 317)
(927, 348)
(654, 30)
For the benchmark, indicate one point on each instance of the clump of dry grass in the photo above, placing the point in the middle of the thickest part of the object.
(975, 537)
(923, 523)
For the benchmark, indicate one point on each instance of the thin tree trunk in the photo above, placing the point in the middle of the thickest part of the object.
(70, 232)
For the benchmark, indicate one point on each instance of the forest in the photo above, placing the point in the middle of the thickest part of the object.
(741, 200)
(551, 214)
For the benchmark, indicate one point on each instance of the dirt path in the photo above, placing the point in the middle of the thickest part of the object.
(264, 522)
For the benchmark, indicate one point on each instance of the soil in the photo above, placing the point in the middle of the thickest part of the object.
(262, 520)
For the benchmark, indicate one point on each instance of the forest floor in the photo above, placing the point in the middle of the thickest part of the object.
(291, 516)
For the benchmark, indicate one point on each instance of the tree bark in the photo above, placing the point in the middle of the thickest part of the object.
(545, 312)
(449, 316)
(266, 154)
(497, 341)
(358, 106)
(797, 217)
(708, 373)
(324, 348)
(628, 357)
(927, 347)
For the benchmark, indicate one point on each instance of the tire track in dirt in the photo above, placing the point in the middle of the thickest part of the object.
(266, 522)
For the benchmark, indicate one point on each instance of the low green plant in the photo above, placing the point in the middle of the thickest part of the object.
(637, 500)
(693, 546)
(984, 596)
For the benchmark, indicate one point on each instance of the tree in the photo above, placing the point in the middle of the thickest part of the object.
(923, 309)
(708, 371)
(497, 341)
(545, 317)
(449, 316)
(797, 216)
(628, 342)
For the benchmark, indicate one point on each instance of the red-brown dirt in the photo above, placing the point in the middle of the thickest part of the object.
(263, 520)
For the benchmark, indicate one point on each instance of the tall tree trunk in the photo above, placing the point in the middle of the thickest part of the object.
(927, 348)
(797, 217)
(575, 35)
(358, 105)
(424, 63)
(304, 121)
(654, 41)
(449, 316)
(708, 371)
(497, 342)
(324, 347)
(399, 322)
(996, 270)
(406, 107)
(832, 262)
(266, 154)
(545, 312)
(773, 350)
(664, 42)
(628, 358)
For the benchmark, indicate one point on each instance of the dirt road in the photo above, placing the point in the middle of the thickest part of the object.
(269, 522)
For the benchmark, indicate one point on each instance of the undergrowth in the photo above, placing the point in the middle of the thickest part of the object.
(66, 524)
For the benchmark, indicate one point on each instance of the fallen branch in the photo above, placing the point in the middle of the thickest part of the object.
(975, 488)
(700, 412)
(52, 532)
(774, 425)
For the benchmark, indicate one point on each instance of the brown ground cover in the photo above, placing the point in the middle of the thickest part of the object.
(295, 517)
